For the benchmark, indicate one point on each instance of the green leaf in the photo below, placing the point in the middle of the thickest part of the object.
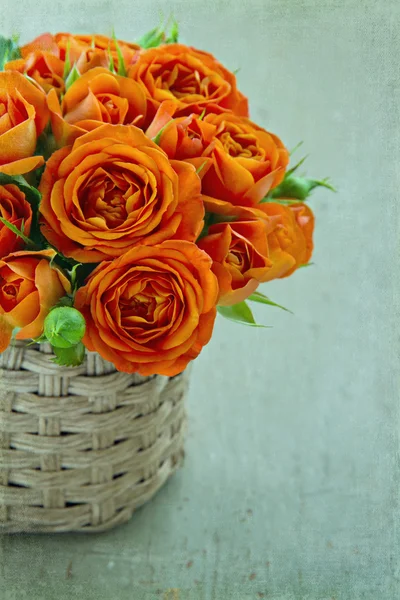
(326, 183)
(29, 78)
(203, 114)
(206, 226)
(69, 357)
(33, 196)
(298, 188)
(240, 313)
(158, 35)
(151, 39)
(73, 76)
(53, 264)
(201, 167)
(83, 273)
(30, 244)
(296, 166)
(73, 275)
(64, 262)
(121, 63)
(39, 340)
(259, 297)
(173, 35)
(59, 261)
(111, 65)
(212, 219)
(305, 265)
(236, 71)
(296, 148)
(67, 63)
(9, 50)
(46, 144)
(156, 139)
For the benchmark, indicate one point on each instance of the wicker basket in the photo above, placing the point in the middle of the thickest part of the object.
(81, 448)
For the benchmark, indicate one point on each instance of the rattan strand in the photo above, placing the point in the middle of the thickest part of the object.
(81, 448)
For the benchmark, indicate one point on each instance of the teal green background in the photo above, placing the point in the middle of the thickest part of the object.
(291, 483)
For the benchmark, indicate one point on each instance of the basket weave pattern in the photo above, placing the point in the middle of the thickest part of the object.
(81, 448)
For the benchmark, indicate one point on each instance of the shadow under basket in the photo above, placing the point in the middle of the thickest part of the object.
(82, 447)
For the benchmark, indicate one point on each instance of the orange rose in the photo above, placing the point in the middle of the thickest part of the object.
(23, 116)
(43, 43)
(115, 189)
(15, 208)
(94, 50)
(97, 97)
(43, 67)
(247, 161)
(87, 51)
(152, 310)
(183, 138)
(240, 255)
(291, 241)
(193, 79)
(29, 288)
(281, 234)
(239, 161)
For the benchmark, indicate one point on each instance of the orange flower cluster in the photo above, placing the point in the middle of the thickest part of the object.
(154, 178)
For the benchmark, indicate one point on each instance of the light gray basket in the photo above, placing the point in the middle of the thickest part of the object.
(82, 447)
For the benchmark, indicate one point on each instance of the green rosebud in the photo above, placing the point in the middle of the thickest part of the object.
(64, 327)
(297, 188)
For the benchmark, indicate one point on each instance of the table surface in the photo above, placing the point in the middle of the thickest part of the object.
(291, 482)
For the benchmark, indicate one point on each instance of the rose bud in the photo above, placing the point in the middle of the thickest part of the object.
(64, 327)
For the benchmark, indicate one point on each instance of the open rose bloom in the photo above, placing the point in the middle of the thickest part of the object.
(136, 189)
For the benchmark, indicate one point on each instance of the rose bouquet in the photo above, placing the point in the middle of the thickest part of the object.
(137, 200)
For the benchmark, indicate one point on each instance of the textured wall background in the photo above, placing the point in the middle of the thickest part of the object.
(291, 485)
